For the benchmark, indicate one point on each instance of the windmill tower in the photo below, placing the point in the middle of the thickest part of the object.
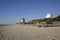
(22, 21)
(49, 18)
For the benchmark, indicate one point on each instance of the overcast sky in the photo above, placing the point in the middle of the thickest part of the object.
(11, 11)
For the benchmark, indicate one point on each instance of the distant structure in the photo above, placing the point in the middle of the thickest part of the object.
(22, 21)
(49, 15)
(49, 18)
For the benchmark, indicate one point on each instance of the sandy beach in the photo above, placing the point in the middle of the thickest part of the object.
(27, 32)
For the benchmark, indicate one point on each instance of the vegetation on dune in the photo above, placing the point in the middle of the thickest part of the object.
(56, 18)
(48, 20)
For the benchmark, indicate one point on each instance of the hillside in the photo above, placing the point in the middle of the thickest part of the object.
(42, 20)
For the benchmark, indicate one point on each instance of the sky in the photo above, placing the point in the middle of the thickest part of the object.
(11, 11)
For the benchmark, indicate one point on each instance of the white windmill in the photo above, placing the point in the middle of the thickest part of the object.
(49, 18)
(49, 15)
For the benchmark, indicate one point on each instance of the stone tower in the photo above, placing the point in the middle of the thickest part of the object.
(22, 21)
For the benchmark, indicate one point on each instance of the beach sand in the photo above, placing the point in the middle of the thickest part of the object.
(27, 32)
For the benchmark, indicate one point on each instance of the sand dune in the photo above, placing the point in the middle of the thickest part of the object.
(27, 32)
